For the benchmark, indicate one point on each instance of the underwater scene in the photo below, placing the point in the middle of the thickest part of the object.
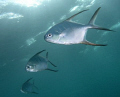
(59, 48)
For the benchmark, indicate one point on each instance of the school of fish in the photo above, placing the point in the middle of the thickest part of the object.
(67, 33)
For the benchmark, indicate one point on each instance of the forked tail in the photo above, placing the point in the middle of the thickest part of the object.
(92, 21)
(93, 26)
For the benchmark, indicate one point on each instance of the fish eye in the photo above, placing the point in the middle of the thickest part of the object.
(28, 66)
(49, 35)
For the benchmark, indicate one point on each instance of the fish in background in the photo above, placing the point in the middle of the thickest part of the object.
(68, 32)
(39, 63)
(28, 87)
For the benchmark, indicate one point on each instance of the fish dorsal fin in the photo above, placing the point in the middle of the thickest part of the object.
(29, 79)
(68, 19)
(92, 20)
(39, 52)
(36, 54)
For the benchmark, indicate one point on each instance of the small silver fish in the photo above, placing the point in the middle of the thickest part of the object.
(68, 32)
(28, 87)
(39, 63)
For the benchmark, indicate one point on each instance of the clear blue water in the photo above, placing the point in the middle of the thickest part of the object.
(84, 71)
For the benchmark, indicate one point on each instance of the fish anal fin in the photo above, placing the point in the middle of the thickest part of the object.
(93, 44)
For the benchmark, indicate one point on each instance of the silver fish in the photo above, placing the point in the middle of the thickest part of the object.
(28, 87)
(68, 32)
(39, 63)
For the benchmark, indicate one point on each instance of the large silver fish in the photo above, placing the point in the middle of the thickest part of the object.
(68, 32)
(28, 87)
(39, 63)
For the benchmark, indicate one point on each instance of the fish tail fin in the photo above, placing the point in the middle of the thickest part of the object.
(47, 55)
(52, 70)
(92, 21)
(49, 60)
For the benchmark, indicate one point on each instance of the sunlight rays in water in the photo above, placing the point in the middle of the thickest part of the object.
(10, 15)
(82, 4)
(28, 3)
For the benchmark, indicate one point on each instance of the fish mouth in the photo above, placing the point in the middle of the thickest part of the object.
(30, 68)
(46, 38)
(22, 91)
(49, 40)
(52, 40)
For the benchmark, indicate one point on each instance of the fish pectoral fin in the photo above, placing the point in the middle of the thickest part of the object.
(89, 43)
(52, 70)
